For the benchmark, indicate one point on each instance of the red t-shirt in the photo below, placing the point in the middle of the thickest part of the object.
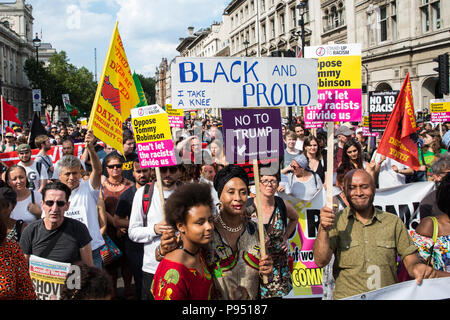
(174, 281)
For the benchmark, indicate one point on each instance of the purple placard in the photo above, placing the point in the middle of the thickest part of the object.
(252, 134)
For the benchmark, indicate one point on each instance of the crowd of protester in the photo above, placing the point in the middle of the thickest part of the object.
(206, 245)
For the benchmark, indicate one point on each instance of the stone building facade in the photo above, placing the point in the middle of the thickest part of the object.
(397, 36)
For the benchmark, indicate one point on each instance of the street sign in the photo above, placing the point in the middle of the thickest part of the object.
(36, 100)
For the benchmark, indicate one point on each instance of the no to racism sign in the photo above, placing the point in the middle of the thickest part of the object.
(381, 105)
(339, 83)
(227, 82)
(153, 137)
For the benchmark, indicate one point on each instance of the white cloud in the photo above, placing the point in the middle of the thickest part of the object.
(150, 29)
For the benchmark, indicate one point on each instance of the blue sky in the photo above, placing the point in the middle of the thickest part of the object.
(150, 29)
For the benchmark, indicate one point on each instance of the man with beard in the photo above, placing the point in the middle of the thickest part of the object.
(44, 145)
(147, 228)
(365, 242)
(134, 251)
(36, 175)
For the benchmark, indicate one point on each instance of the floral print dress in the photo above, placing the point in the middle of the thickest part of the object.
(437, 251)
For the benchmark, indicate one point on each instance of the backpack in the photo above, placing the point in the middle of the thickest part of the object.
(147, 200)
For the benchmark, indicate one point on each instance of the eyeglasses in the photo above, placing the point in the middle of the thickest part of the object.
(294, 167)
(267, 182)
(59, 203)
(114, 166)
(172, 170)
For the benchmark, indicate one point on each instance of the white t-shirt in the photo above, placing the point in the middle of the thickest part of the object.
(21, 212)
(301, 190)
(146, 235)
(299, 144)
(83, 207)
(388, 177)
(214, 195)
(33, 175)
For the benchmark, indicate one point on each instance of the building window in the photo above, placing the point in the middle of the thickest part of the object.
(282, 24)
(263, 5)
(334, 17)
(388, 22)
(431, 15)
(272, 28)
(263, 28)
(293, 11)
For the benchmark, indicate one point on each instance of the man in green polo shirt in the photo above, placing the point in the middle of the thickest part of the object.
(365, 242)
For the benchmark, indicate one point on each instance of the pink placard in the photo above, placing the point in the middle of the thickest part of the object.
(156, 154)
(176, 121)
(440, 116)
(336, 105)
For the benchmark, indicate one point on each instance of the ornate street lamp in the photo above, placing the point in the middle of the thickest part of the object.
(37, 44)
(246, 43)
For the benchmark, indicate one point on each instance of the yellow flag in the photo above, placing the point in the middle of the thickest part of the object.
(116, 95)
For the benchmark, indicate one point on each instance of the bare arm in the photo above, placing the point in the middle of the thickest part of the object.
(86, 255)
(292, 219)
(95, 176)
(322, 249)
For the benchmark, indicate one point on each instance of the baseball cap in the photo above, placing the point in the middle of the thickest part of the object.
(344, 130)
(23, 147)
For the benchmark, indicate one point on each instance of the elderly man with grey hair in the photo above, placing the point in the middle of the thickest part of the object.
(428, 205)
(85, 194)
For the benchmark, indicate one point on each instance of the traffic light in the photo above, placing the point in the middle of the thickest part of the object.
(442, 71)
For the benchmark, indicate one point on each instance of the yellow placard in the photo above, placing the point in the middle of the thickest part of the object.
(440, 107)
(152, 128)
(339, 72)
(174, 112)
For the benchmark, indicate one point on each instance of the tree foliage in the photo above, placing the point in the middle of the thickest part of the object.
(61, 77)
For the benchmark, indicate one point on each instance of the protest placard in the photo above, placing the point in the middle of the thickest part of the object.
(176, 116)
(381, 105)
(366, 128)
(228, 82)
(440, 110)
(48, 277)
(252, 134)
(153, 137)
(339, 83)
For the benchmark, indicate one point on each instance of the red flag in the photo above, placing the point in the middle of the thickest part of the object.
(49, 122)
(399, 141)
(10, 112)
(8, 129)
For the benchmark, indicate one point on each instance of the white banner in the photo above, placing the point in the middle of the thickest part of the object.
(429, 289)
(306, 276)
(227, 82)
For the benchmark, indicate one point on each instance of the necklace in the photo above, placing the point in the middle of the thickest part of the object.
(233, 230)
(114, 184)
(188, 252)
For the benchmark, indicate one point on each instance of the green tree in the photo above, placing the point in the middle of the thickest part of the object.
(62, 77)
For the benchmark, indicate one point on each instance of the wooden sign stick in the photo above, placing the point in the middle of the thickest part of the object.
(161, 192)
(330, 160)
(262, 242)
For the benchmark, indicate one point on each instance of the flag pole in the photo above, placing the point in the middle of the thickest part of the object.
(102, 77)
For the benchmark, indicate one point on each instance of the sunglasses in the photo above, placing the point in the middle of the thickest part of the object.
(114, 166)
(59, 203)
(172, 170)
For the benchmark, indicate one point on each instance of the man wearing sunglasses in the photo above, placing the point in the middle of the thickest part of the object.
(57, 237)
(147, 228)
(85, 194)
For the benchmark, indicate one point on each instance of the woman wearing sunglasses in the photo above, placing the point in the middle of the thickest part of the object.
(280, 220)
(111, 189)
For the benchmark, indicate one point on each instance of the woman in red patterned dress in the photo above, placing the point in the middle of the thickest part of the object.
(15, 281)
(183, 273)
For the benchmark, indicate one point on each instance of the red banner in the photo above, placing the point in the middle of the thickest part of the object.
(11, 158)
(398, 142)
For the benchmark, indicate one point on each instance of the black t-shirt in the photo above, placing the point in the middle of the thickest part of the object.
(125, 203)
(127, 167)
(36, 237)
